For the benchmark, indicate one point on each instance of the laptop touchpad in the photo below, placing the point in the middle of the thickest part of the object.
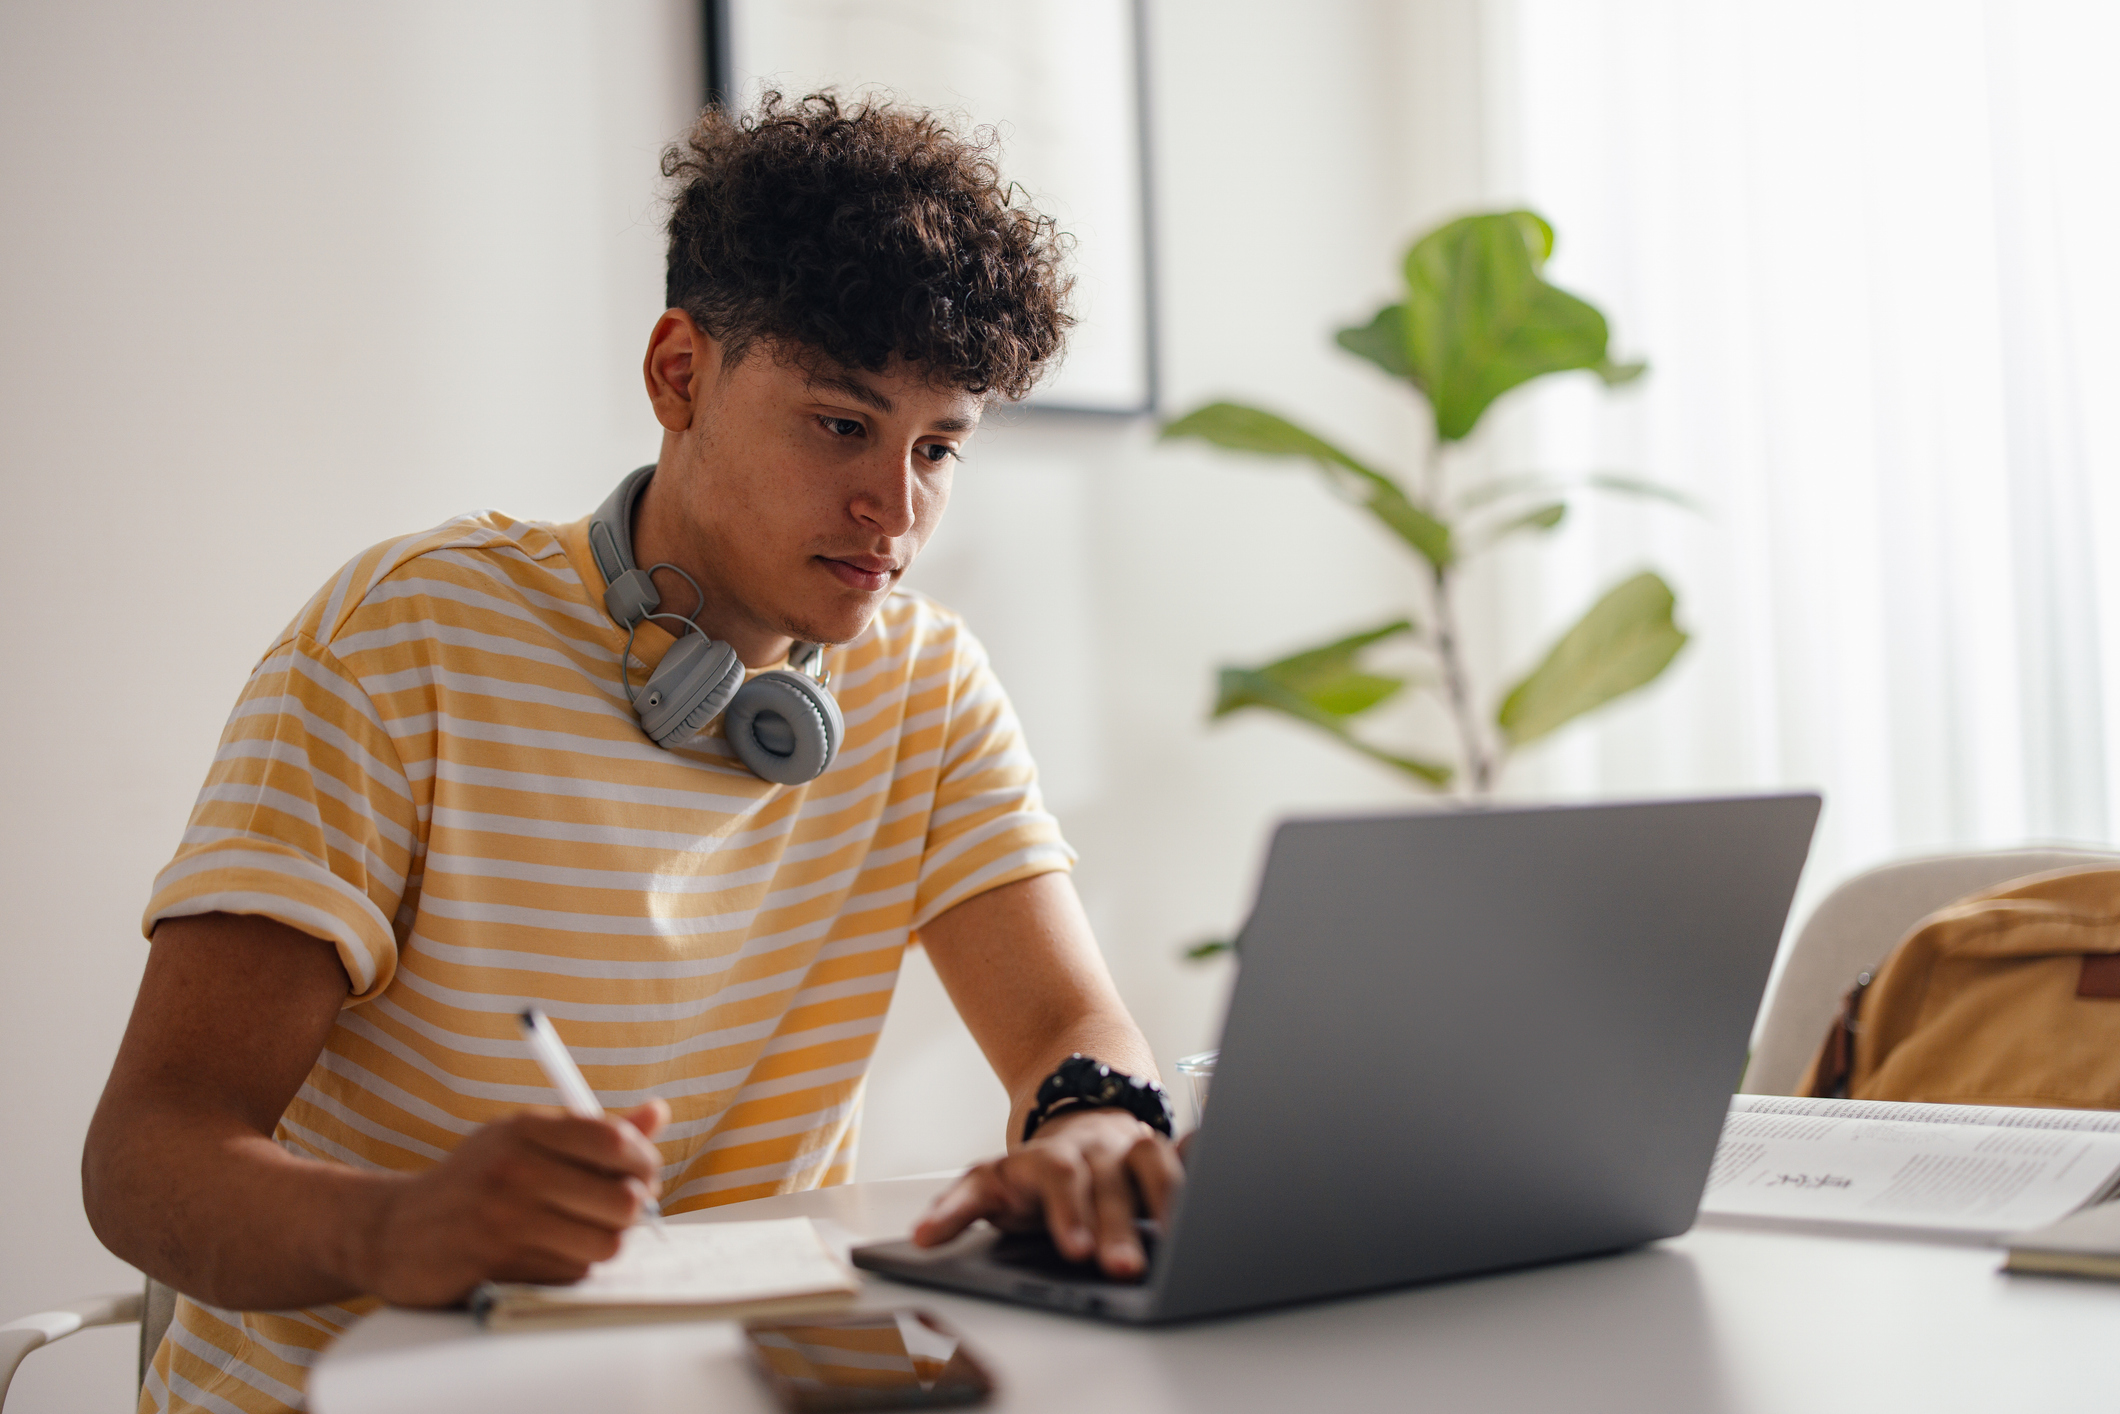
(1035, 1252)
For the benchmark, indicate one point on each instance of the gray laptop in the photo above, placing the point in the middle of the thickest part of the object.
(1461, 1040)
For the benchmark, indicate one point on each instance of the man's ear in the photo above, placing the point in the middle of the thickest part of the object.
(681, 357)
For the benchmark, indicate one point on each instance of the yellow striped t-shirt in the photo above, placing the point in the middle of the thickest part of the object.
(436, 769)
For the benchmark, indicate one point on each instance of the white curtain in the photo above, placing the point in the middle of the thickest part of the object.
(1866, 247)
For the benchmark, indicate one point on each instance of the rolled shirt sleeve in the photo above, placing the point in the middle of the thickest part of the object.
(989, 826)
(307, 816)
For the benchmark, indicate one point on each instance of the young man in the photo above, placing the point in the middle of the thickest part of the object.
(435, 803)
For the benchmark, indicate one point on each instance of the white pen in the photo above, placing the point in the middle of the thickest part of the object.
(551, 1056)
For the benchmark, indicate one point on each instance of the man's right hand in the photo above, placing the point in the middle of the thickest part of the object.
(182, 1178)
(535, 1197)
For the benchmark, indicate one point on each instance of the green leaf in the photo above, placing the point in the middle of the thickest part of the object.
(1430, 538)
(1499, 488)
(1323, 687)
(1480, 319)
(1242, 689)
(1623, 643)
(1536, 231)
(1618, 374)
(1248, 429)
(1539, 518)
(1434, 773)
(1327, 680)
(1634, 486)
(1209, 947)
(1382, 341)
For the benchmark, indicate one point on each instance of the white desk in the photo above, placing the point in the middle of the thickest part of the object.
(1717, 1320)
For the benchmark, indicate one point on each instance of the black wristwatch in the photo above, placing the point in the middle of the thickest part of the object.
(1083, 1083)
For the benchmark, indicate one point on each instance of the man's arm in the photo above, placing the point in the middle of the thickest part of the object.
(1023, 970)
(181, 1176)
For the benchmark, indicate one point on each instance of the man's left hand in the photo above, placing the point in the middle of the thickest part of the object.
(1083, 1177)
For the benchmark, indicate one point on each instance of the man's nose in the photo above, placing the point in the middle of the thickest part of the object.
(886, 498)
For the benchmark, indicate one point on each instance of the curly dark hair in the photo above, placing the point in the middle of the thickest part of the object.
(856, 231)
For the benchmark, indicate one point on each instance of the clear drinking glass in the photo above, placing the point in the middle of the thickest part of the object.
(1198, 1071)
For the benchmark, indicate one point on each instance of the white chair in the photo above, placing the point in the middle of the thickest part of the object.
(152, 1308)
(1854, 927)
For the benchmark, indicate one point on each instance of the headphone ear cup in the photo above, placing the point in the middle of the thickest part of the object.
(688, 689)
(785, 727)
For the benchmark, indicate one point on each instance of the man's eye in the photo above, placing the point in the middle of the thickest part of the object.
(937, 453)
(842, 426)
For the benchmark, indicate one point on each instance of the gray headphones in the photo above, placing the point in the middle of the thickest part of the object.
(783, 724)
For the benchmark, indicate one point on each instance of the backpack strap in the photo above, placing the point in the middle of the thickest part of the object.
(1835, 1065)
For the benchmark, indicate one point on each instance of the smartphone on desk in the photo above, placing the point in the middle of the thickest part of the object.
(902, 1359)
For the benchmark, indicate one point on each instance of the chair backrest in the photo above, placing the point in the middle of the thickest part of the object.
(157, 1310)
(1855, 926)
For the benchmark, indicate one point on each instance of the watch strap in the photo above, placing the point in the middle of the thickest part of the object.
(1085, 1083)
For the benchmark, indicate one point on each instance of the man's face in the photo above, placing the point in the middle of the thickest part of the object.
(804, 490)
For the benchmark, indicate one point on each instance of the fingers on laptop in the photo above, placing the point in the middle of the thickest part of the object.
(1158, 1170)
(1086, 1197)
(981, 1193)
(1066, 1182)
(1118, 1248)
(1144, 1176)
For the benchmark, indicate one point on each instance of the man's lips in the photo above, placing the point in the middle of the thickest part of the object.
(866, 572)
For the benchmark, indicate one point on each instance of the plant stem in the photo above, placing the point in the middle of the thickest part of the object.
(1479, 766)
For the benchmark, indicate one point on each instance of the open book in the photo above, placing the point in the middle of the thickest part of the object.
(728, 1271)
(1961, 1173)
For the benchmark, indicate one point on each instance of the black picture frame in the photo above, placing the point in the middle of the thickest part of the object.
(717, 63)
(718, 83)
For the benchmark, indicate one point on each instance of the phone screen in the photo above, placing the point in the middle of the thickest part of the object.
(901, 1359)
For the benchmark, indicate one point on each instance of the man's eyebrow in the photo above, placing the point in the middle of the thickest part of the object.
(854, 388)
(861, 392)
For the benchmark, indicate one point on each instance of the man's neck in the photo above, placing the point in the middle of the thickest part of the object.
(658, 538)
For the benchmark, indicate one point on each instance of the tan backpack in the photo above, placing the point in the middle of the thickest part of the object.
(2009, 997)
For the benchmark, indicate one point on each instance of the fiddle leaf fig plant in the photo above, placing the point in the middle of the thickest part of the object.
(1478, 318)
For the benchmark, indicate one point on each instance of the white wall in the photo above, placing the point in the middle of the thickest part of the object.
(278, 281)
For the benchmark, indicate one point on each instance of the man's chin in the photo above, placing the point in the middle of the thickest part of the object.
(837, 626)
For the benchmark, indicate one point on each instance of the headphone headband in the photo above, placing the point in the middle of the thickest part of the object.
(629, 592)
